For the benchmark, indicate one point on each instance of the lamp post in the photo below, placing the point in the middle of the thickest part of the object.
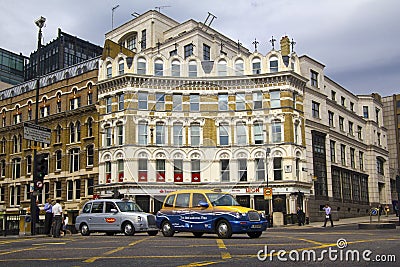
(267, 152)
(39, 23)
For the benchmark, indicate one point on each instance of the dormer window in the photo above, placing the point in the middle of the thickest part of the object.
(188, 50)
(273, 64)
(314, 78)
(256, 65)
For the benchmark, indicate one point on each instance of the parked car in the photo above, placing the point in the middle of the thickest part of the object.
(208, 211)
(114, 216)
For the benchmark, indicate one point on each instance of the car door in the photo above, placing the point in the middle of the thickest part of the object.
(201, 216)
(112, 219)
(181, 212)
(96, 219)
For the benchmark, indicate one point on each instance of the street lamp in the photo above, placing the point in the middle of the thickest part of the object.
(267, 152)
(39, 23)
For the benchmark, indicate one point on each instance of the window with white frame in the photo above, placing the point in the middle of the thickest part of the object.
(256, 65)
(242, 168)
(175, 68)
(120, 134)
(275, 99)
(142, 133)
(160, 170)
(109, 70)
(108, 104)
(141, 66)
(195, 134)
(221, 68)
(194, 102)
(239, 67)
(58, 160)
(240, 101)
(257, 100)
(195, 170)
(158, 67)
(260, 169)
(277, 168)
(273, 64)
(160, 133)
(78, 131)
(89, 187)
(16, 168)
(29, 164)
(3, 168)
(178, 134)
(142, 99)
(58, 189)
(160, 101)
(177, 102)
(222, 102)
(58, 133)
(241, 133)
(108, 171)
(120, 166)
(89, 126)
(143, 170)
(120, 98)
(224, 170)
(192, 68)
(223, 134)
(74, 103)
(108, 135)
(121, 67)
(258, 133)
(74, 159)
(90, 155)
(276, 131)
(178, 170)
(296, 132)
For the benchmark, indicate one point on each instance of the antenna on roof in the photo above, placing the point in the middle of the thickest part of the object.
(112, 16)
(207, 20)
(158, 8)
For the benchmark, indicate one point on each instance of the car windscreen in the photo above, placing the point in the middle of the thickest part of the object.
(128, 206)
(220, 199)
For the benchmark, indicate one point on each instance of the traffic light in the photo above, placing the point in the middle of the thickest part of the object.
(40, 170)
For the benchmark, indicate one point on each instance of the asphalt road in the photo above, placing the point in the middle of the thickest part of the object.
(307, 245)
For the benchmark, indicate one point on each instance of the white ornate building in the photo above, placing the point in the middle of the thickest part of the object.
(181, 105)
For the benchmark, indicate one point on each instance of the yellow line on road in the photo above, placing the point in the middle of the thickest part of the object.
(224, 254)
(93, 259)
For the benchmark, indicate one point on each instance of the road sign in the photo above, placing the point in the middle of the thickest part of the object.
(267, 193)
(37, 133)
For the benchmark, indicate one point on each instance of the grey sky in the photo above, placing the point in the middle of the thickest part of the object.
(355, 39)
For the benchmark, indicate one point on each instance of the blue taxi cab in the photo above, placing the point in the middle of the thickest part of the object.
(208, 211)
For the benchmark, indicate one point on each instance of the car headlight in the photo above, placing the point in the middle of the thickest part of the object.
(139, 219)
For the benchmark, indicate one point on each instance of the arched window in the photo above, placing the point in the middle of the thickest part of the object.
(192, 68)
(120, 133)
(90, 155)
(158, 67)
(58, 134)
(239, 67)
(78, 131)
(221, 67)
(256, 65)
(175, 68)
(273, 64)
(258, 133)
(141, 66)
(109, 70)
(121, 66)
(89, 127)
(241, 135)
(71, 132)
(108, 135)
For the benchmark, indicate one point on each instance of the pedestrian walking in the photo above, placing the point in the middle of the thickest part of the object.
(328, 215)
(57, 218)
(300, 216)
(48, 219)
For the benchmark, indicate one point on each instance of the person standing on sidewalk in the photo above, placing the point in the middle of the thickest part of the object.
(48, 219)
(328, 215)
(300, 216)
(57, 213)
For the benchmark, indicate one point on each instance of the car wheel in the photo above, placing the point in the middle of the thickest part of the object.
(128, 229)
(198, 234)
(84, 229)
(224, 229)
(166, 229)
(254, 234)
(152, 233)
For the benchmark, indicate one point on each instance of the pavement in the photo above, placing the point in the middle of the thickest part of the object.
(356, 220)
